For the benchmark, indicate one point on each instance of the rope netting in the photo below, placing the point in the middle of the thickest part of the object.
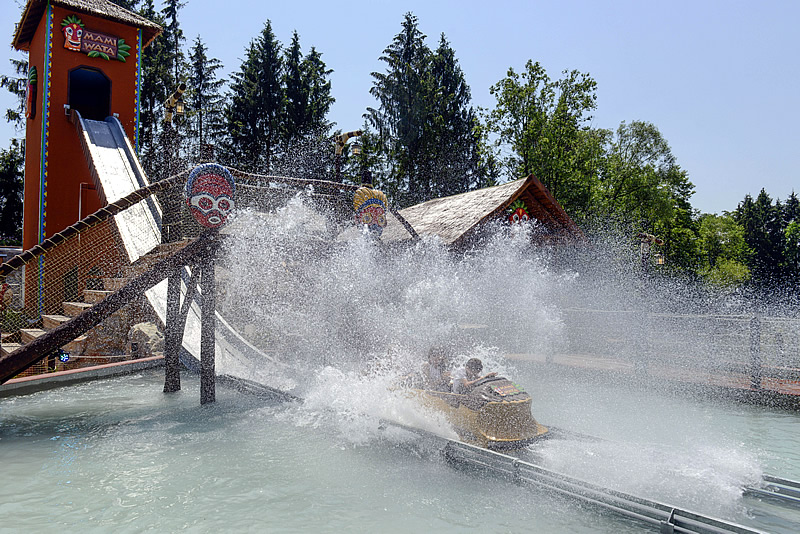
(83, 256)
(79, 264)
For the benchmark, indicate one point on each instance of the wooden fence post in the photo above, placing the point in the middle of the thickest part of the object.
(207, 326)
(174, 333)
(755, 352)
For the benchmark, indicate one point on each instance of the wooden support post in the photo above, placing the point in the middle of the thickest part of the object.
(755, 352)
(207, 326)
(174, 333)
(30, 353)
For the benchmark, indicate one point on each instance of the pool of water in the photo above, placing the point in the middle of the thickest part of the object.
(118, 453)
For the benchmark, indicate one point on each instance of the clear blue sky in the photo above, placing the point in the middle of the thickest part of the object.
(719, 79)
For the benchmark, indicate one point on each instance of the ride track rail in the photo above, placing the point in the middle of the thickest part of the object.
(774, 489)
(778, 490)
(668, 519)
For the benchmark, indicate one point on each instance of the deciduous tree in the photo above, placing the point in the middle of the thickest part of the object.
(546, 126)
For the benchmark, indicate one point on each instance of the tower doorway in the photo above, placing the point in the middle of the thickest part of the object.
(90, 93)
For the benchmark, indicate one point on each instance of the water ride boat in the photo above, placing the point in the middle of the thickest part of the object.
(495, 413)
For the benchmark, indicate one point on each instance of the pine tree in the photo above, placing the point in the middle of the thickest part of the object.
(400, 118)
(791, 209)
(204, 99)
(130, 5)
(12, 161)
(294, 123)
(156, 84)
(451, 128)
(305, 136)
(318, 86)
(173, 36)
(255, 106)
(764, 234)
(426, 131)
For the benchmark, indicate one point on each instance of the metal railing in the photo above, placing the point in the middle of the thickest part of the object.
(757, 346)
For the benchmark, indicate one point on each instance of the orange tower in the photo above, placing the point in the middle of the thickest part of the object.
(84, 55)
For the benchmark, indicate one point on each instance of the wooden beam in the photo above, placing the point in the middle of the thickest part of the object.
(22, 358)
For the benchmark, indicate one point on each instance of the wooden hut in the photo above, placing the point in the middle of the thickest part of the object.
(459, 220)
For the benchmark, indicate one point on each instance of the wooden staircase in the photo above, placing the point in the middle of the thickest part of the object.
(107, 341)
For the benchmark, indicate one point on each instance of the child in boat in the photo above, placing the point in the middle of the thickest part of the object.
(435, 370)
(465, 377)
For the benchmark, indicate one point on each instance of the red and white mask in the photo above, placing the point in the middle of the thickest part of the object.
(73, 33)
(209, 195)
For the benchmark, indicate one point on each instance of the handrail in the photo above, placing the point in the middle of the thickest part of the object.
(95, 218)
(25, 356)
(322, 184)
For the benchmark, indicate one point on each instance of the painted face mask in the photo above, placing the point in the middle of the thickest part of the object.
(518, 212)
(370, 206)
(73, 31)
(519, 215)
(209, 194)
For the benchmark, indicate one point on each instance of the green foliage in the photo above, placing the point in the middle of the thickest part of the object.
(721, 237)
(317, 87)
(425, 129)
(173, 36)
(95, 53)
(792, 252)
(763, 232)
(72, 19)
(640, 177)
(12, 162)
(545, 123)
(204, 99)
(453, 143)
(16, 85)
(123, 50)
(156, 84)
(305, 132)
(130, 5)
(726, 273)
(255, 106)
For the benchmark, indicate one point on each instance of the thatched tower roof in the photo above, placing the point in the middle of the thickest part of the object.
(34, 10)
(457, 218)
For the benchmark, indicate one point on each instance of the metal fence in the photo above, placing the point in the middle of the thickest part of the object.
(758, 346)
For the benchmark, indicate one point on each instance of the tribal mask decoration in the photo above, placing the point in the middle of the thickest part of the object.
(209, 194)
(518, 212)
(73, 31)
(93, 43)
(30, 94)
(370, 206)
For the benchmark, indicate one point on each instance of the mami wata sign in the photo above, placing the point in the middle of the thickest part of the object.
(92, 43)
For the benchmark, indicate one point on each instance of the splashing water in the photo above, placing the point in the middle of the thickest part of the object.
(347, 319)
(314, 302)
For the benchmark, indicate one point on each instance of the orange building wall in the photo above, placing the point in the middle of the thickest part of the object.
(67, 168)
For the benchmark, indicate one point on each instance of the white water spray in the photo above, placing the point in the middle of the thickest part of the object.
(349, 318)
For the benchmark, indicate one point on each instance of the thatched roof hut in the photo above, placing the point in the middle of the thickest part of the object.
(34, 9)
(458, 219)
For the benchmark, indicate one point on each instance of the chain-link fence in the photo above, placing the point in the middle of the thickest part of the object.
(69, 271)
(757, 347)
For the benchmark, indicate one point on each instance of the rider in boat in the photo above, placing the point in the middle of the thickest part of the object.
(465, 377)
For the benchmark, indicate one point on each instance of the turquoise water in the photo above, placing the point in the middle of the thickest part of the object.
(120, 455)
(339, 325)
